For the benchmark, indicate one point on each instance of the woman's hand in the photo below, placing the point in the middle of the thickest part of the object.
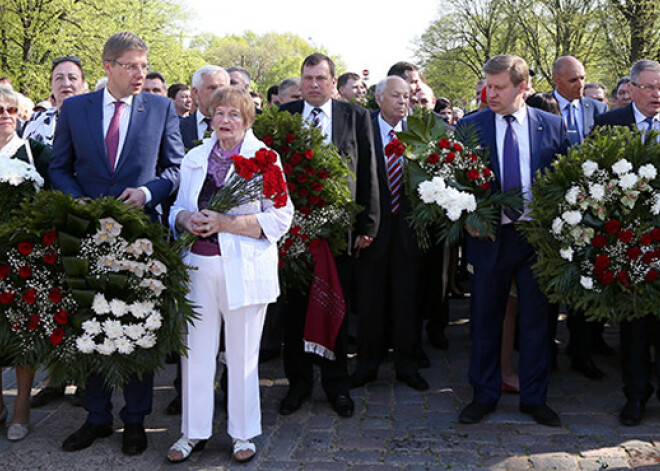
(206, 223)
(195, 222)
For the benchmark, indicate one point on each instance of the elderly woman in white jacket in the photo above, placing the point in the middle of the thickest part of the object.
(235, 256)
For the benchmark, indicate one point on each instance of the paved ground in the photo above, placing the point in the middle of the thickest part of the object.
(394, 427)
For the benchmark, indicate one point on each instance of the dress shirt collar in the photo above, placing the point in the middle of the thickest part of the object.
(639, 118)
(386, 127)
(563, 102)
(326, 108)
(519, 115)
(108, 99)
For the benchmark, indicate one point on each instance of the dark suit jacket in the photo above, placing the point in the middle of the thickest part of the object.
(620, 117)
(353, 137)
(547, 138)
(590, 109)
(379, 246)
(188, 127)
(150, 157)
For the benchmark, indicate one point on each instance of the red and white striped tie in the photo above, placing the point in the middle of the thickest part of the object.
(394, 175)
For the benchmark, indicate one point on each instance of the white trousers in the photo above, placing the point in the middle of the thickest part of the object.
(243, 329)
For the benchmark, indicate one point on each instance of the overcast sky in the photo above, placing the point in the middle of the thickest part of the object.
(366, 34)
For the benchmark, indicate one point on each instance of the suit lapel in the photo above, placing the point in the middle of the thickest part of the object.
(94, 115)
(535, 133)
(338, 124)
(138, 115)
(490, 142)
(587, 115)
(378, 144)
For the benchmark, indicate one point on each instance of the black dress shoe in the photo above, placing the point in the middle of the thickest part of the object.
(475, 412)
(414, 380)
(360, 378)
(439, 341)
(632, 412)
(46, 396)
(85, 436)
(343, 405)
(542, 414)
(134, 440)
(422, 359)
(292, 402)
(587, 367)
(174, 407)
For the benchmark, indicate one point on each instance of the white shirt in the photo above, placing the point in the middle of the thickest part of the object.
(521, 128)
(124, 121)
(577, 110)
(325, 118)
(643, 125)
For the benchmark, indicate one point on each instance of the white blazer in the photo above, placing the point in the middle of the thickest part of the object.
(251, 264)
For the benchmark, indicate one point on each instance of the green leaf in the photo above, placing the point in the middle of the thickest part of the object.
(77, 225)
(75, 267)
(84, 298)
(69, 244)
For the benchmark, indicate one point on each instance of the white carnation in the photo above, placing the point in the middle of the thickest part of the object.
(647, 171)
(587, 282)
(106, 348)
(113, 328)
(100, 305)
(85, 344)
(154, 321)
(655, 208)
(627, 181)
(557, 225)
(92, 327)
(147, 341)
(134, 331)
(572, 217)
(566, 254)
(15, 172)
(427, 191)
(621, 167)
(124, 346)
(118, 307)
(140, 310)
(572, 195)
(597, 192)
(589, 167)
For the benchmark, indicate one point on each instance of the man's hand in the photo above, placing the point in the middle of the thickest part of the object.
(134, 197)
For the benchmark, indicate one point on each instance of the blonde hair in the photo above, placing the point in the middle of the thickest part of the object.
(516, 66)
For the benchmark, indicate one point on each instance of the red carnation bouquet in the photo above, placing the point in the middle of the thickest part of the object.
(255, 178)
(35, 301)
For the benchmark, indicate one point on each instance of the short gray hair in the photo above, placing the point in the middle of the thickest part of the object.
(240, 69)
(119, 43)
(594, 85)
(382, 85)
(640, 66)
(288, 83)
(198, 76)
(8, 95)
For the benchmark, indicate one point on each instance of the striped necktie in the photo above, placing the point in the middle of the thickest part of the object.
(394, 175)
(316, 117)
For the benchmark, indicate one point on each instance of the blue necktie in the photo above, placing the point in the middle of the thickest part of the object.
(316, 117)
(511, 156)
(573, 130)
(649, 128)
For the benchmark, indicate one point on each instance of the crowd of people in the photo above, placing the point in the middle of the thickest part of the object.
(169, 154)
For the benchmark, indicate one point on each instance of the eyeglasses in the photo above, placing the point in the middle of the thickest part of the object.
(11, 110)
(646, 87)
(143, 68)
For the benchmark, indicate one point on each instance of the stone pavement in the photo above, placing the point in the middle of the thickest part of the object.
(394, 427)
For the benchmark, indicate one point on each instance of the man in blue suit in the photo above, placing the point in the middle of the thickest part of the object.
(520, 141)
(118, 142)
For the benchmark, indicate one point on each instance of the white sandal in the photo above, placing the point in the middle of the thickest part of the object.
(186, 447)
(246, 449)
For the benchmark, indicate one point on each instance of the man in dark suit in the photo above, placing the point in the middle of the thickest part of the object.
(579, 113)
(642, 114)
(118, 142)
(206, 80)
(348, 127)
(387, 272)
(520, 141)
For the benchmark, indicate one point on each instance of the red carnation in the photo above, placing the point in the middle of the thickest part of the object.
(314, 243)
(30, 296)
(304, 210)
(268, 140)
(285, 149)
(55, 295)
(646, 239)
(291, 186)
(302, 178)
(322, 173)
(655, 233)
(310, 170)
(612, 226)
(473, 157)
(433, 158)
(25, 248)
(622, 276)
(49, 238)
(607, 277)
(25, 271)
(5, 270)
(485, 186)
(57, 336)
(33, 323)
(649, 257)
(625, 236)
(457, 147)
(61, 317)
(280, 200)
(633, 253)
(599, 241)
(449, 158)
(304, 192)
(486, 172)
(309, 153)
(322, 202)
(296, 158)
(651, 275)
(472, 174)
(395, 148)
(444, 144)
(602, 261)
(314, 200)
(288, 168)
(6, 297)
(288, 243)
(295, 230)
(50, 258)
(316, 186)
(289, 138)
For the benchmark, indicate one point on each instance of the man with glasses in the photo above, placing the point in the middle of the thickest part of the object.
(126, 144)
(642, 114)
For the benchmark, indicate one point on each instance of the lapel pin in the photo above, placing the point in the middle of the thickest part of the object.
(587, 105)
(140, 109)
(540, 128)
